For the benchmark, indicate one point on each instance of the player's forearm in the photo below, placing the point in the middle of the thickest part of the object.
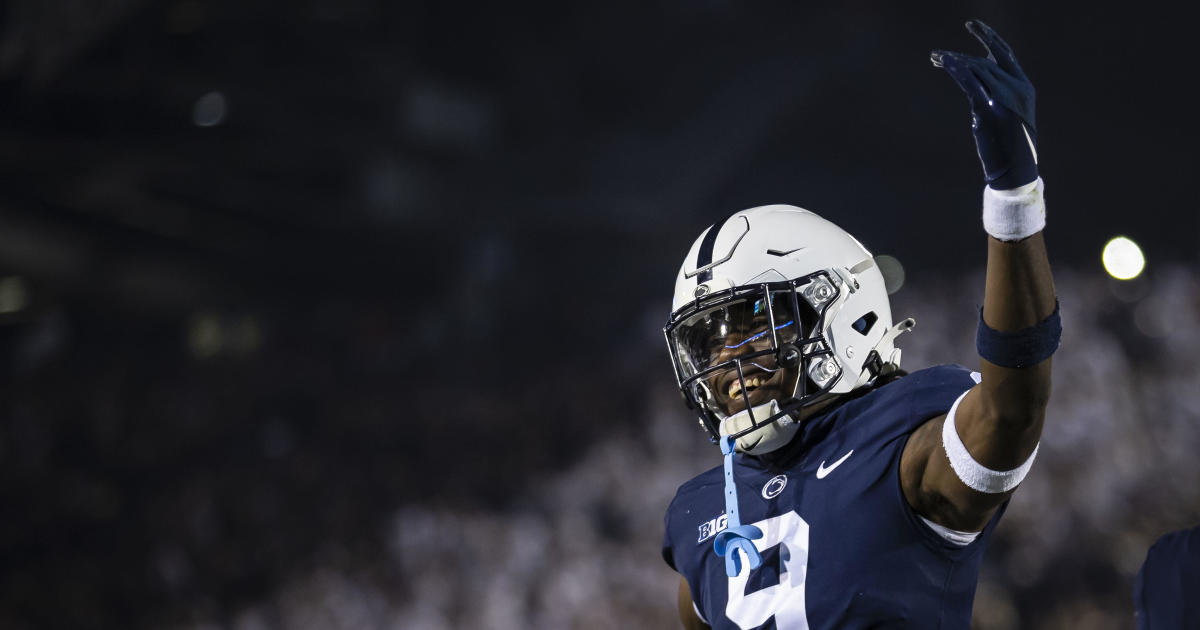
(1019, 289)
(1019, 294)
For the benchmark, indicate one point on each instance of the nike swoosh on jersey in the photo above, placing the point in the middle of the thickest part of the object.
(823, 472)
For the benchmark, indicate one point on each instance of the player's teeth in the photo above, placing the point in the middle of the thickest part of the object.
(735, 387)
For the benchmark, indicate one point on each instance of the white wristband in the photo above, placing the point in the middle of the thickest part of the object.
(976, 475)
(1012, 215)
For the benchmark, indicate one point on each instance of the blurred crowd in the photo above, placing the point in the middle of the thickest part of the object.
(319, 484)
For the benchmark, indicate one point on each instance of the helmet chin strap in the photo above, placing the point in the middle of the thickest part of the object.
(767, 438)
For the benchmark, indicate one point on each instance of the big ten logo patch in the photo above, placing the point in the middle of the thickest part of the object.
(710, 528)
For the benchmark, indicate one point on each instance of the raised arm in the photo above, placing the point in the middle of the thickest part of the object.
(957, 473)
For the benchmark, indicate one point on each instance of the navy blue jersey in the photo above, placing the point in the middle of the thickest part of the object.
(1164, 594)
(841, 547)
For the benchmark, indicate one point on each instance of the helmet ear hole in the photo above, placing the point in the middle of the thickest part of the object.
(864, 323)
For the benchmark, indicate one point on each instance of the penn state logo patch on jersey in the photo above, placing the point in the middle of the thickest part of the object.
(774, 487)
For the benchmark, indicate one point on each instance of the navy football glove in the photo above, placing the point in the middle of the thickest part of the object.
(1002, 102)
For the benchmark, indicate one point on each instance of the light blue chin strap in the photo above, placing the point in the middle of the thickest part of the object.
(736, 537)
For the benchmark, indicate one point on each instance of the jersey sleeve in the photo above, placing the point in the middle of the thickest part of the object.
(936, 389)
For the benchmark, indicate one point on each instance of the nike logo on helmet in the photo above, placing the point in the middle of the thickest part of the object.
(823, 472)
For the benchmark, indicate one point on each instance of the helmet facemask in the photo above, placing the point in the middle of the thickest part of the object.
(750, 357)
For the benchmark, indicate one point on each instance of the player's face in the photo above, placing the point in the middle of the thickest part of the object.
(762, 379)
(742, 330)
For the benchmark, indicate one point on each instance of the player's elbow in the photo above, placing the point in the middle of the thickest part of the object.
(1018, 420)
(1017, 404)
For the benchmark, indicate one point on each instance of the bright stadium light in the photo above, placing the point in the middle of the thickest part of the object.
(1123, 258)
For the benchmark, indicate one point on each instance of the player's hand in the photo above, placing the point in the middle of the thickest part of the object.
(1002, 105)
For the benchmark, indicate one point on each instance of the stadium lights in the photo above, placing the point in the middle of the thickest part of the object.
(209, 110)
(14, 295)
(1122, 258)
(893, 272)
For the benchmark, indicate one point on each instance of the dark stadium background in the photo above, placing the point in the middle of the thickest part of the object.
(278, 278)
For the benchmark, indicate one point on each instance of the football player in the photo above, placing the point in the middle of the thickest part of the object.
(854, 495)
(1164, 593)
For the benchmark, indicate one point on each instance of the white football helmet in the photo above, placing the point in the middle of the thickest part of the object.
(776, 309)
